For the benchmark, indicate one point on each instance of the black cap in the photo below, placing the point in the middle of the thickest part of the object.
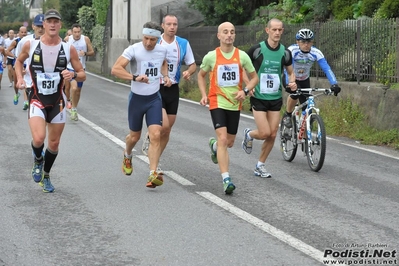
(52, 13)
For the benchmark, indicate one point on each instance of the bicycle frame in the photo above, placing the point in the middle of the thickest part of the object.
(308, 130)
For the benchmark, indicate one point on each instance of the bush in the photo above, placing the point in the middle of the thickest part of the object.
(87, 19)
(386, 69)
(389, 9)
(98, 39)
(101, 7)
(342, 9)
(370, 7)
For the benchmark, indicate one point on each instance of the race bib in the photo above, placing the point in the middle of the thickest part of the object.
(228, 75)
(172, 69)
(47, 83)
(151, 70)
(269, 83)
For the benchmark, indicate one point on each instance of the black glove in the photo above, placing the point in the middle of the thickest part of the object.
(336, 89)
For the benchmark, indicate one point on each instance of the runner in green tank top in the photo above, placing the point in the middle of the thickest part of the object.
(269, 58)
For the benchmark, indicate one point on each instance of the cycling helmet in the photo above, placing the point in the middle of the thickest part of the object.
(304, 34)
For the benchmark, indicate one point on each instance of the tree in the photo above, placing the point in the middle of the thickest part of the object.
(101, 8)
(13, 11)
(215, 12)
(69, 10)
(343, 9)
(369, 7)
(389, 9)
(51, 4)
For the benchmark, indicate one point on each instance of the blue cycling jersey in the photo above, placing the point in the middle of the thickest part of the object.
(302, 62)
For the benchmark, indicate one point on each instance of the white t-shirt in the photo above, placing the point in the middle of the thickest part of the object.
(80, 45)
(143, 62)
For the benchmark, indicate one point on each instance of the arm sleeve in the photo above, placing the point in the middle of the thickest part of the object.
(327, 70)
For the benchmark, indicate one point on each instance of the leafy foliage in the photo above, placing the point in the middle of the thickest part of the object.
(13, 11)
(98, 39)
(216, 12)
(101, 7)
(386, 68)
(69, 10)
(389, 9)
(87, 19)
(343, 9)
(49, 4)
(370, 7)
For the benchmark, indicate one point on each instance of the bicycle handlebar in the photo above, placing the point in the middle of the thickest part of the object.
(300, 91)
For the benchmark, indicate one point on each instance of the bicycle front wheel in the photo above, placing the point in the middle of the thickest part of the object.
(288, 140)
(315, 147)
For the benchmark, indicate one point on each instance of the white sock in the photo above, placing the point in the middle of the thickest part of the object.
(215, 146)
(248, 135)
(225, 174)
(259, 163)
(128, 155)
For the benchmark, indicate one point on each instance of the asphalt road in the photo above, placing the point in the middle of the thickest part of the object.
(98, 216)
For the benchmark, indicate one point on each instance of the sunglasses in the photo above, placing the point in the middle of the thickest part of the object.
(304, 41)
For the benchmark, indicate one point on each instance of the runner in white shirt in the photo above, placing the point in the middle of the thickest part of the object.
(37, 26)
(84, 47)
(9, 60)
(178, 53)
(148, 63)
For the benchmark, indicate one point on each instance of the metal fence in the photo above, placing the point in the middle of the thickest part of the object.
(357, 50)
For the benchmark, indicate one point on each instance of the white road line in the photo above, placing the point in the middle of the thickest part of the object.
(286, 238)
(102, 132)
(144, 158)
(179, 178)
(372, 151)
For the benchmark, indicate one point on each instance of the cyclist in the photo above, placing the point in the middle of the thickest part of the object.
(304, 54)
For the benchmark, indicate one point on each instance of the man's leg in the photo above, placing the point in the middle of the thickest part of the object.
(67, 91)
(53, 141)
(167, 123)
(37, 126)
(75, 96)
(274, 119)
(75, 93)
(289, 109)
(10, 72)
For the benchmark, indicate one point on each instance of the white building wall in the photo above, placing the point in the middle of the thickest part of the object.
(140, 13)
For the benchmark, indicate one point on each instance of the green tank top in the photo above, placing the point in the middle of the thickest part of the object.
(270, 74)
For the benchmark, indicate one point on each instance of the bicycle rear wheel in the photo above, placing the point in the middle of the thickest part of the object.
(316, 147)
(288, 143)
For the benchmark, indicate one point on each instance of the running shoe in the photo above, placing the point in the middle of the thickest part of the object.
(262, 172)
(146, 144)
(47, 186)
(69, 104)
(155, 179)
(287, 121)
(247, 142)
(213, 153)
(127, 167)
(26, 105)
(10, 84)
(16, 97)
(74, 115)
(37, 171)
(228, 186)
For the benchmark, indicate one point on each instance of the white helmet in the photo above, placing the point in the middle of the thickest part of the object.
(304, 34)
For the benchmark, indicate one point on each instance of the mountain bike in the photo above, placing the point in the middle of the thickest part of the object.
(307, 130)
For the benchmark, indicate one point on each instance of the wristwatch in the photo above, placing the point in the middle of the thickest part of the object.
(134, 77)
(246, 91)
(75, 75)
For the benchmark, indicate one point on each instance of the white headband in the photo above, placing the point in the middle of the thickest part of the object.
(152, 32)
